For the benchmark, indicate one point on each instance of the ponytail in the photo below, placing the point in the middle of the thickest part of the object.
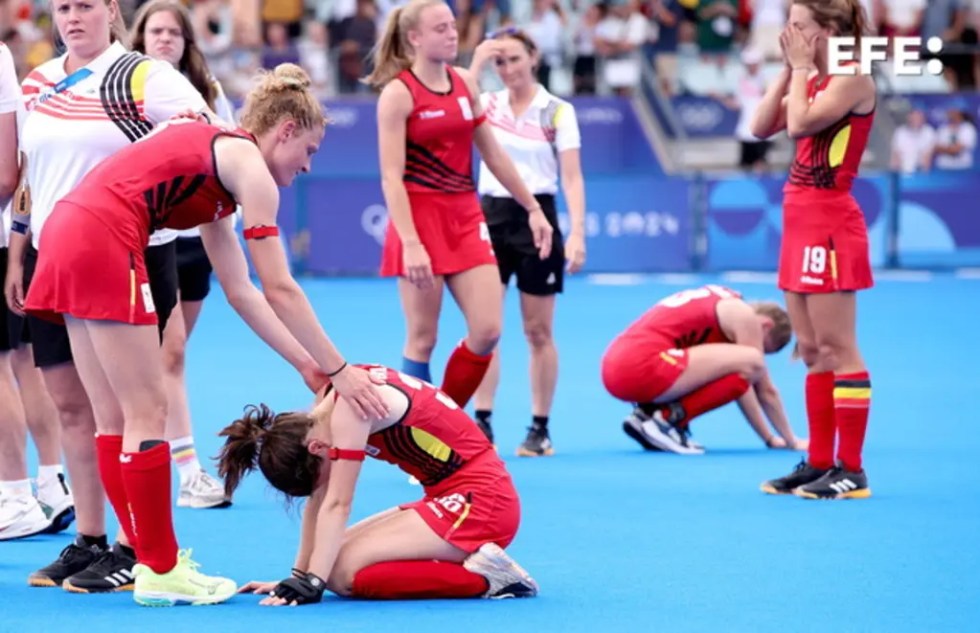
(390, 53)
(276, 445)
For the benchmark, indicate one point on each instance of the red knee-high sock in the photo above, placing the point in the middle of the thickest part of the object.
(852, 403)
(464, 373)
(417, 579)
(821, 419)
(109, 448)
(147, 478)
(711, 396)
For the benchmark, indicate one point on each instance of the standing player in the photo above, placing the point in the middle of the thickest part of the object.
(824, 254)
(162, 29)
(429, 117)
(447, 545)
(540, 134)
(693, 352)
(183, 175)
(83, 106)
(24, 403)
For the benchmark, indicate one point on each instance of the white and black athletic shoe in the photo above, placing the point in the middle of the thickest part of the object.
(837, 484)
(112, 571)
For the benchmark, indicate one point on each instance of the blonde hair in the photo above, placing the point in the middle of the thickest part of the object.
(845, 17)
(393, 53)
(782, 329)
(283, 93)
(117, 28)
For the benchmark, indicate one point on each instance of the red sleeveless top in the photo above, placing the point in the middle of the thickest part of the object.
(168, 179)
(829, 160)
(439, 137)
(684, 319)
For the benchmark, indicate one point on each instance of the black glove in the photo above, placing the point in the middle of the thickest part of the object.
(305, 589)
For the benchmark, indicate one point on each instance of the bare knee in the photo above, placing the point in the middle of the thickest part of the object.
(809, 352)
(538, 334)
(341, 580)
(483, 336)
(753, 366)
(174, 357)
(421, 341)
(74, 408)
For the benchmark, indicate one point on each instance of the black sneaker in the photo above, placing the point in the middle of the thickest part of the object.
(537, 443)
(486, 428)
(655, 433)
(803, 474)
(112, 571)
(837, 483)
(72, 560)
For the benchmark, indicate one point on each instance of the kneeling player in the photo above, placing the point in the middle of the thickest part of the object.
(449, 544)
(692, 352)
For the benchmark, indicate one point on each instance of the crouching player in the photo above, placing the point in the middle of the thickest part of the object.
(693, 352)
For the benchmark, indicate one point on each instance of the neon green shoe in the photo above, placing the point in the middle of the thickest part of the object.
(182, 584)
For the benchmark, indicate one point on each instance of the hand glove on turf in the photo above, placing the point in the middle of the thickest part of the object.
(306, 589)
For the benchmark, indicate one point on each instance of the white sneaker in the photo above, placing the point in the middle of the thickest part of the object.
(201, 491)
(506, 578)
(21, 516)
(656, 434)
(57, 502)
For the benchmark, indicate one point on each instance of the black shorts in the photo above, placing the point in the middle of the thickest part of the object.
(161, 269)
(51, 343)
(193, 269)
(513, 245)
(753, 153)
(13, 332)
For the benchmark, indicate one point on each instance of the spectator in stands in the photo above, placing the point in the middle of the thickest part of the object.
(947, 19)
(280, 48)
(546, 28)
(583, 41)
(956, 141)
(619, 39)
(314, 58)
(748, 95)
(357, 37)
(716, 26)
(667, 17)
(768, 20)
(913, 145)
(902, 17)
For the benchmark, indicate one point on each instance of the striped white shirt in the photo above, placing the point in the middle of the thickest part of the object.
(10, 101)
(533, 140)
(75, 122)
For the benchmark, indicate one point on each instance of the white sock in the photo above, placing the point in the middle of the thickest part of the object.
(48, 473)
(19, 488)
(185, 456)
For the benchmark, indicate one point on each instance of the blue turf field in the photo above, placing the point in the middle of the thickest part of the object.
(619, 540)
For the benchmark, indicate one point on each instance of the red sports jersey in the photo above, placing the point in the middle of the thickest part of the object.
(166, 180)
(434, 440)
(684, 319)
(439, 137)
(829, 160)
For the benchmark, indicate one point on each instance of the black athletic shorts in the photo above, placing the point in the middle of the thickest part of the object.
(514, 246)
(193, 269)
(13, 332)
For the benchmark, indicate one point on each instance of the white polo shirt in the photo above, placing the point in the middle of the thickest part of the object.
(10, 101)
(75, 122)
(533, 141)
